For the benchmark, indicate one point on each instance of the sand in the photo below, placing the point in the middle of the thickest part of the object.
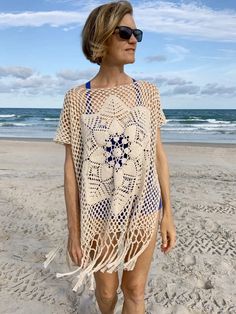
(197, 276)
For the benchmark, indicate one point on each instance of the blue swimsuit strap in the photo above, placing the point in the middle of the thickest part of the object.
(88, 96)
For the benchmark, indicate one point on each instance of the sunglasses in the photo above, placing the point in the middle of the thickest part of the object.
(126, 32)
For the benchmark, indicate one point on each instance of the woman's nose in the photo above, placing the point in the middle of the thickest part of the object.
(132, 38)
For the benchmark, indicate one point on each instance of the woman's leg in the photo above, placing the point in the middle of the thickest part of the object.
(134, 282)
(106, 285)
(106, 291)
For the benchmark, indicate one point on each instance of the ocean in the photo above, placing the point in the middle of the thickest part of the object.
(183, 125)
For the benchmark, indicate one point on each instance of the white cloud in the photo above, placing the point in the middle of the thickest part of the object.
(217, 89)
(187, 89)
(210, 89)
(162, 80)
(16, 71)
(36, 19)
(194, 21)
(77, 3)
(74, 75)
(178, 51)
(38, 84)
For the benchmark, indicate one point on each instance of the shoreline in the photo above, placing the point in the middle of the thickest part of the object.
(186, 143)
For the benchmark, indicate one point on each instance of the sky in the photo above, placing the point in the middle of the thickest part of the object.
(188, 50)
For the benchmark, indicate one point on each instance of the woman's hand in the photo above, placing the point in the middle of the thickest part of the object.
(168, 232)
(74, 249)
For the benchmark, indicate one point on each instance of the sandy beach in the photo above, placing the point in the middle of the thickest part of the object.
(197, 276)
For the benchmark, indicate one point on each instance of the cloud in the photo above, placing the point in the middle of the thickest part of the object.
(16, 71)
(34, 85)
(74, 75)
(37, 19)
(178, 51)
(208, 89)
(181, 86)
(177, 81)
(162, 80)
(155, 58)
(76, 3)
(186, 90)
(39, 84)
(217, 89)
(191, 20)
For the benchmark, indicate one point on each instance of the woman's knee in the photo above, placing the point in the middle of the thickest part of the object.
(134, 291)
(106, 286)
(106, 295)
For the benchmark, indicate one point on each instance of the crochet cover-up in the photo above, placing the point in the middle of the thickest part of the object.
(112, 132)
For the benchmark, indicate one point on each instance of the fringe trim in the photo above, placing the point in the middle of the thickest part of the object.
(110, 265)
(50, 256)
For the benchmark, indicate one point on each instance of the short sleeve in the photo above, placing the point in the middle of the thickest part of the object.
(63, 132)
(159, 115)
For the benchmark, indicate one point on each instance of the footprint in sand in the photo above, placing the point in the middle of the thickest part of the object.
(204, 284)
(190, 260)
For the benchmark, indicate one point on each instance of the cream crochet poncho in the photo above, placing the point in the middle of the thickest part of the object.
(112, 132)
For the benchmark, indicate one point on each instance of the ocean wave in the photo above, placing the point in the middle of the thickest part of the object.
(217, 121)
(187, 119)
(7, 115)
(8, 124)
(227, 126)
(190, 120)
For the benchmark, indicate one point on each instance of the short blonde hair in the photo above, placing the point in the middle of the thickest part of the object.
(99, 26)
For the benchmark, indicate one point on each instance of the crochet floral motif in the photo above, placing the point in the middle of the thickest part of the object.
(115, 151)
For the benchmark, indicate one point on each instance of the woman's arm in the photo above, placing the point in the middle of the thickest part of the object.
(167, 227)
(72, 208)
(163, 174)
(71, 195)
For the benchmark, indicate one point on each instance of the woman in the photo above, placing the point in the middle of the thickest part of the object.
(113, 166)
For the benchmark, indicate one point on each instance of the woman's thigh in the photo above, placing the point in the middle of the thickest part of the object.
(106, 283)
(138, 276)
(105, 280)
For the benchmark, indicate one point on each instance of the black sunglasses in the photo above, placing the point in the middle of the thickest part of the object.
(126, 32)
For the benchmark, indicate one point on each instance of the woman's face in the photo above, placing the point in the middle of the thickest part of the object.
(117, 52)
